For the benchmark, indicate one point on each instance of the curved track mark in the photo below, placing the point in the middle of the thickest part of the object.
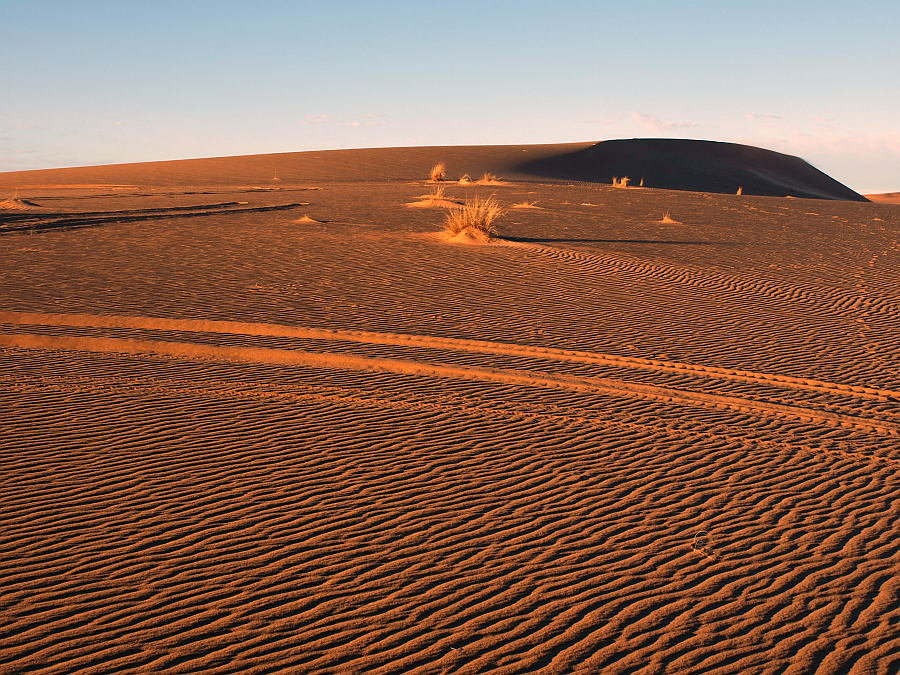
(478, 346)
(349, 362)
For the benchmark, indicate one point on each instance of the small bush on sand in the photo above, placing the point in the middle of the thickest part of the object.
(475, 219)
(437, 193)
(438, 172)
(620, 182)
(487, 177)
(740, 190)
(465, 179)
(667, 219)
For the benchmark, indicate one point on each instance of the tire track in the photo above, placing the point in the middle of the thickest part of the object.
(519, 378)
(479, 346)
(255, 391)
(78, 222)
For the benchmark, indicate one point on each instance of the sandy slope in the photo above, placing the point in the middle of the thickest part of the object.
(885, 198)
(709, 166)
(675, 164)
(233, 442)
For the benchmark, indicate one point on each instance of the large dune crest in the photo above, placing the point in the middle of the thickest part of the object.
(699, 166)
(676, 164)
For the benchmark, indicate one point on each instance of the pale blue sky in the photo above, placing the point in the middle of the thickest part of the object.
(93, 82)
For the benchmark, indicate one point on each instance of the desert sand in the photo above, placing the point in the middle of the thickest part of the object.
(885, 198)
(254, 425)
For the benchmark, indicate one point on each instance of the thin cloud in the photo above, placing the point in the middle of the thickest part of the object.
(762, 116)
(364, 123)
(316, 119)
(367, 120)
(653, 123)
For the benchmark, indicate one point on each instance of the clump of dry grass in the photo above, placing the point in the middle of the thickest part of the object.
(740, 190)
(307, 220)
(669, 220)
(525, 205)
(438, 172)
(620, 182)
(465, 179)
(474, 219)
(437, 193)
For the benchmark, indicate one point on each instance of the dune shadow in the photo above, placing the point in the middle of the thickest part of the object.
(546, 240)
(695, 166)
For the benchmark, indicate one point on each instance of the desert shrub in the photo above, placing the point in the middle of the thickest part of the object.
(476, 217)
(438, 172)
(669, 220)
(620, 182)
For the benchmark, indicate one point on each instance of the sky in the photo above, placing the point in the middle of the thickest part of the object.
(107, 81)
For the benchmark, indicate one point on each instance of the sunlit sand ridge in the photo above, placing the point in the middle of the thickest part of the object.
(631, 430)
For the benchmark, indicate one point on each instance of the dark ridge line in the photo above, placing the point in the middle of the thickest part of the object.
(32, 215)
(77, 223)
(538, 240)
(176, 193)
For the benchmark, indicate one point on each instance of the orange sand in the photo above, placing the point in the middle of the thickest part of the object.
(600, 444)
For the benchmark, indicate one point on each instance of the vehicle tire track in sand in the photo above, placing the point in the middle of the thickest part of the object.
(478, 346)
(519, 378)
(50, 222)
(99, 386)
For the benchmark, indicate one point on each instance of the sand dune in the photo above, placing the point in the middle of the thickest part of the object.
(706, 166)
(885, 198)
(603, 443)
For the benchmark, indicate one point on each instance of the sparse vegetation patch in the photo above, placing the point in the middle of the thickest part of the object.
(438, 172)
(474, 220)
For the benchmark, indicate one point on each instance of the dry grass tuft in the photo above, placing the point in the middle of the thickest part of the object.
(620, 182)
(740, 190)
(488, 178)
(465, 179)
(668, 220)
(438, 172)
(474, 219)
(436, 199)
(525, 205)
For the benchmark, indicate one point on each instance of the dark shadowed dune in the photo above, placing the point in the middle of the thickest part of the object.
(699, 166)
